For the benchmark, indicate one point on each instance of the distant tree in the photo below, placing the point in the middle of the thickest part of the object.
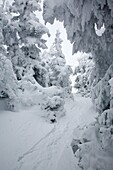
(57, 61)
(84, 72)
(59, 72)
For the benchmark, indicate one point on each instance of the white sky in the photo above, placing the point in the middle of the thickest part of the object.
(66, 46)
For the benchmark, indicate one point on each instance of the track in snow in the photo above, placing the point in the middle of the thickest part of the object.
(45, 153)
(27, 142)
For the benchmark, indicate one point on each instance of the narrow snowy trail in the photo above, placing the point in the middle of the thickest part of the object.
(46, 152)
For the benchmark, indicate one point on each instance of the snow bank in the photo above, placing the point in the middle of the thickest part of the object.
(94, 149)
(50, 99)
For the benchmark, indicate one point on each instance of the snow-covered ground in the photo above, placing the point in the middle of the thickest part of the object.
(28, 142)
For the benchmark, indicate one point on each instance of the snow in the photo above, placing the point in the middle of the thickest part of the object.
(28, 142)
(67, 161)
(53, 3)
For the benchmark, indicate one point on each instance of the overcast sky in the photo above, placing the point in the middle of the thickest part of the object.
(66, 46)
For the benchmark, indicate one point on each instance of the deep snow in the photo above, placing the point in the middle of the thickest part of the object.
(28, 142)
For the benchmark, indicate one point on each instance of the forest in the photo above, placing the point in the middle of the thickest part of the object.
(54, 116)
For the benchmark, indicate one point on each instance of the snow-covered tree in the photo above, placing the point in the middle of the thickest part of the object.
(3, 23)
(101, 92)
(84, 72)
(20, 43)
(82, 20)
(59, 71)
(23, 37)
(8, 82)
(94, 149)
(57, 59)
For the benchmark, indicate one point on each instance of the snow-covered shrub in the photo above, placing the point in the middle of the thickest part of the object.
(54, 107)
(29, 88)
(30, 96)
(53, 103)
(32, 93)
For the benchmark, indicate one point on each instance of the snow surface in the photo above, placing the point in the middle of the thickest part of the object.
(28, 142)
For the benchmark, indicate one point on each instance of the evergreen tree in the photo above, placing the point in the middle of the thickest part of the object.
(23, 36)
(8, 82)
(59, 71)
(57, 59)
(84, 75)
